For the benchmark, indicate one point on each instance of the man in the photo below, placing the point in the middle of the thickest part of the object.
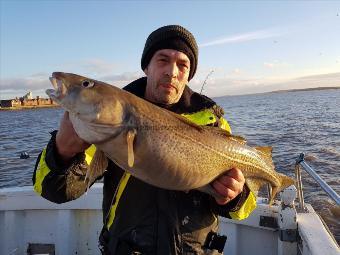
(139, 218)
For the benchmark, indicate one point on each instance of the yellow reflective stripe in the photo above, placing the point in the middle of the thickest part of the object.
(223, 123)
(89, 154)
(121, 187)
(203, 118)
(206, 117)
(40, 173)
(248, 206)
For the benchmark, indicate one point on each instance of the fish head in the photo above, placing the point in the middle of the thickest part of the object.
(87, 99)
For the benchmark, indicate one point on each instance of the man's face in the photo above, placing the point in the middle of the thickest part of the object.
(167, 74)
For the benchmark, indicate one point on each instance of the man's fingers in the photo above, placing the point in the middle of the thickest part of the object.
(223, 190)
(229, 182)
(236, 174)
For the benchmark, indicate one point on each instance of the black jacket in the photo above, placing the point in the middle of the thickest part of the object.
(148, 219)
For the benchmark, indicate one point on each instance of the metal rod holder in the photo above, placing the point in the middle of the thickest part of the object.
(329, 191)
(269, 192)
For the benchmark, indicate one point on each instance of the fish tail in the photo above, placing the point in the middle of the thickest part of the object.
(286, 181)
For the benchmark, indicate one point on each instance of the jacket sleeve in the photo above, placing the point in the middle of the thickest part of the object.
(237, 209)
(58, 182)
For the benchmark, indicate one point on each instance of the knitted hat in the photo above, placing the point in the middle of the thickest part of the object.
(171, 37)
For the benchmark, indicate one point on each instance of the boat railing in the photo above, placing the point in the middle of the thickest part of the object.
(300, 162)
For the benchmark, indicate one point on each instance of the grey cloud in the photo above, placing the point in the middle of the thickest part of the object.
(129, 76)
(98, 66)
(30, 83)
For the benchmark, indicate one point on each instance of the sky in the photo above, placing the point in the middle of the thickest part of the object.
(246, 46)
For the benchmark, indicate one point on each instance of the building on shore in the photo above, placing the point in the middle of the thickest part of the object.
(27, 101)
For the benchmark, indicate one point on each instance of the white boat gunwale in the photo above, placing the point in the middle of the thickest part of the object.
(26, 218)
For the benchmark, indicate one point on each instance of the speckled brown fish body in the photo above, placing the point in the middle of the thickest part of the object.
(155, 145)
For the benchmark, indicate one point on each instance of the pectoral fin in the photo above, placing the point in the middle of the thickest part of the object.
(96, 168)
(254, 184)
(130, 137)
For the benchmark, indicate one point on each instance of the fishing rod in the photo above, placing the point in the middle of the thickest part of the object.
(205, 81)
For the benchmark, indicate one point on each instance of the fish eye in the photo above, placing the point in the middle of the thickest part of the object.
(87, 84)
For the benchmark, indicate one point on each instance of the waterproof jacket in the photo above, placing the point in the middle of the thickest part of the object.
(138, 217)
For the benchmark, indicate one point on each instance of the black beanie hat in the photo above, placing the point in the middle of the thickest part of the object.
(171, 37)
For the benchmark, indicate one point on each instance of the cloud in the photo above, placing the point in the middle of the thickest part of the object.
(313, 81)
(39, 82)
(33, 82)
(274, 64)
(215, 86)
(128, 76)
(98, 66)
(229, 86)
(236, 71)
(250, 36)
(269, 65)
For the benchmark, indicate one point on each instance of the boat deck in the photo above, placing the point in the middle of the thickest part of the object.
(30, 223)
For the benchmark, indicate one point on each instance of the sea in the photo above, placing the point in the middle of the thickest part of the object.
(291, 122)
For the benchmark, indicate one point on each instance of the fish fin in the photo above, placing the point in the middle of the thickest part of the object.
(265, 150)
(255, 184)
(285, 181)
(266, 153)
(272, 194)
(130, 137)
(96, 168)
(224, 133)
(215, 130)
(238, 139)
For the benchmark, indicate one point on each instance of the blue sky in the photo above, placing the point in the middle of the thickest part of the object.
(251, 46)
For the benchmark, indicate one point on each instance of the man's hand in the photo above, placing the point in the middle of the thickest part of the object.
(67, 141)
(229, 185)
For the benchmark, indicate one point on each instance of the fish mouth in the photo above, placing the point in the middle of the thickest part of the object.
(59, 90)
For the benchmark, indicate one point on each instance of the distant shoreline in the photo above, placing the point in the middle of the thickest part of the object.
(28, 107)
(306, 89)
(280, 91)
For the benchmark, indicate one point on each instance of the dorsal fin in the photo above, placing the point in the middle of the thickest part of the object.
(239, 139)
(266, 153)
(266, 150)
(224, 133)
(215, 130)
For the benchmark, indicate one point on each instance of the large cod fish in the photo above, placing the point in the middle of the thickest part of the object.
(155, 145)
